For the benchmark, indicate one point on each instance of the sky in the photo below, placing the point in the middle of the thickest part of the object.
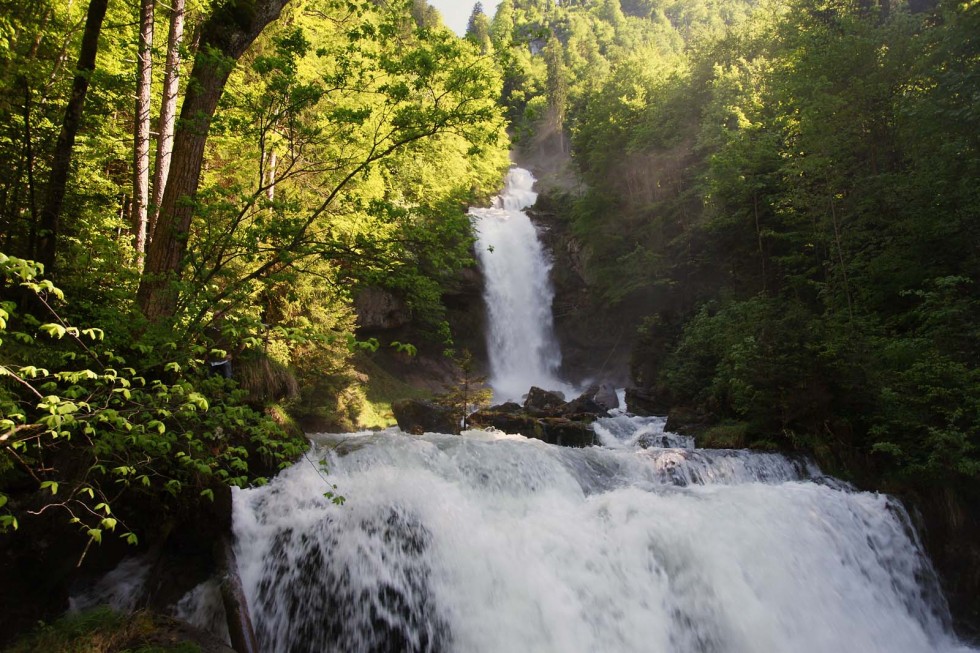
(455, 13)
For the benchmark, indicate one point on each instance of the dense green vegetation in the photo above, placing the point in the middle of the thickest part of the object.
(789, 190)
(786, 189)
(320, 148)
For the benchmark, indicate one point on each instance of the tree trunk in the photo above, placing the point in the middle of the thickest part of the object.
(270, 191)
(141, 128)
(225, 36)
(50, 217)
(168, 110)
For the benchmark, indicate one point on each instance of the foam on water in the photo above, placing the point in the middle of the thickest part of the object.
(499, 544)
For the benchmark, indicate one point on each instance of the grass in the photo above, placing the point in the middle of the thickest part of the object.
(380, 390)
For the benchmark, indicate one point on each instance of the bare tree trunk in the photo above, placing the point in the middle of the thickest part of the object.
(168, 110)
(225, 36)
(141, 128)
(270, 191)
(29, 155)
(50, 217)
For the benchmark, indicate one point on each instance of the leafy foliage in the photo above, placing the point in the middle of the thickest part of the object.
(90, 429)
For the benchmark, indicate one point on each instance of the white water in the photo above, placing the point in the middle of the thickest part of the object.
(493, 543)
(489, 543)
(520, 337)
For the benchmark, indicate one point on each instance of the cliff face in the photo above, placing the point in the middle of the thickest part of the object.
(596, 339)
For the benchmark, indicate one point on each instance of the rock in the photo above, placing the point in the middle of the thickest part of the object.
(561, 431)
(583, 406)
(690, 421)
(567, 432)
(645, 401)
(507, 407)
(606, 396)
(543, 401)
(379, 310)
(508, 422)
(417, 417)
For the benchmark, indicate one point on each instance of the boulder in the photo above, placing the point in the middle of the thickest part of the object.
(646, 401)
(543, 402)
(417, 417)
(606, 396)
(507, 407)
(508, 422)
(583, 407)
(567, 433)
(561, 431)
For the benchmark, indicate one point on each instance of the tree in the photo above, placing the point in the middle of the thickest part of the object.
(557, 89)
(168, 111)
(141, 128)
(384, 86)
(225, 35)
(478, 28)
(50, 216)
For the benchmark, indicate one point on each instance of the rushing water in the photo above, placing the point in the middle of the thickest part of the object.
(495, 543)
(520, 338)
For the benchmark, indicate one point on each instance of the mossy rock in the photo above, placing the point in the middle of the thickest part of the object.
(731, 435)
(104, 631)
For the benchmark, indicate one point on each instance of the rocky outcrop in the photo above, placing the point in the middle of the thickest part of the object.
(417, 417)
(379, 310)
(543, 402)
(645, 401)
(545, 416)
(553, 430)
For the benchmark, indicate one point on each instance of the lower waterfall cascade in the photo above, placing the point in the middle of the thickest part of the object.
(487, 542)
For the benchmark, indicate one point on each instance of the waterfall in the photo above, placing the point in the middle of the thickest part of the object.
(495, 543)
(521, 343)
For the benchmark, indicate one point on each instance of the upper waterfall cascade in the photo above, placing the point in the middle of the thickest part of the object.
(521, 342)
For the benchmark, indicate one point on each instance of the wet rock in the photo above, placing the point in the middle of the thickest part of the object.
(508, 422)
(584, 407)
(417, 417)
(543, 402)
(645, 401)
(682, 419)
(606, 396)
(566, 431)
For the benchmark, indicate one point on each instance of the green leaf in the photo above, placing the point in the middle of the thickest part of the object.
(52, 485)
(94, 334)
(53, 330)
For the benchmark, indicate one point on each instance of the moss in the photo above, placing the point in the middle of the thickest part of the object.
(380, 389)
(102, 631)
(730, 435)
